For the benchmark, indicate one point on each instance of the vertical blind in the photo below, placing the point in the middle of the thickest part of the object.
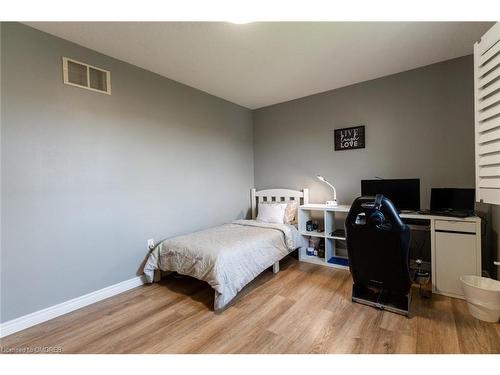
(487, 115)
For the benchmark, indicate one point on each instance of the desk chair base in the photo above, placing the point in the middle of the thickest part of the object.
(382, 299)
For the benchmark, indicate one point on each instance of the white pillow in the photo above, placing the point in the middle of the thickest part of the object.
(271, 212)
(290, 216)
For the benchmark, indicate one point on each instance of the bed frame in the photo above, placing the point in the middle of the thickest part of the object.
(277, 195)
(269, 195)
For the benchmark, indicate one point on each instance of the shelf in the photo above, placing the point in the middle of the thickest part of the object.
(323, 207)
(313, 259)
(336, 238)
(321, 261)
(313, 234)
(339, 234)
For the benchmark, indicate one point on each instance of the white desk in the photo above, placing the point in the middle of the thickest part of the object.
(455, 244)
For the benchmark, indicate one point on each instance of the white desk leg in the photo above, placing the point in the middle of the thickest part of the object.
(276, 267)
(433, 255)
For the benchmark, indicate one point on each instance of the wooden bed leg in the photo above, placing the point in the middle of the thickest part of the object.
(276, 267)
(157, 276)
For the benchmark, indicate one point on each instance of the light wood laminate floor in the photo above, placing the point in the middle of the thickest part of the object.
(304, 309)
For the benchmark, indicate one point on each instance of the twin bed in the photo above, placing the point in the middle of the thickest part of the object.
(230, 256)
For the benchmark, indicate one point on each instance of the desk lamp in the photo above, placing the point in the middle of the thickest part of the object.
(334, 202)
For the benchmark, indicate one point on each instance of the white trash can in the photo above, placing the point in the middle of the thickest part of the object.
(483, 297)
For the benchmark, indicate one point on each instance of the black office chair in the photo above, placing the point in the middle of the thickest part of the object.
(378, 247)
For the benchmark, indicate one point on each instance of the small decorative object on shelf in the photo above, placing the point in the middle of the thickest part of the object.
(311, 252)
(315, 225)
(314, 246)
(309, 226)
(321, 250)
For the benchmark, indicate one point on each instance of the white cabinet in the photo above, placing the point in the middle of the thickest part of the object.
(455, 256)
(457, 252)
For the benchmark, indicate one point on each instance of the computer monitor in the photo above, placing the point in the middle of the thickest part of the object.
(404, 193)
(444, 199)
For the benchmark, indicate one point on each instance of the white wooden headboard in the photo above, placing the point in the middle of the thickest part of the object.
(277, 195)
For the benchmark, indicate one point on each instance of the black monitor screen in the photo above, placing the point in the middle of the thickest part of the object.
(452, 199)
(404, 193)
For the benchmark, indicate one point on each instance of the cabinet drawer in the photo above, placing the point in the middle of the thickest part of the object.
(456, 226)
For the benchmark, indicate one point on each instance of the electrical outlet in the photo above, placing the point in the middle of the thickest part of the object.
(151, 243)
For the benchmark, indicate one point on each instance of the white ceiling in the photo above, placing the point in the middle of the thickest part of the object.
(259, 64)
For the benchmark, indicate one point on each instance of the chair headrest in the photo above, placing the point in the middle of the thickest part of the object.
(376, 211)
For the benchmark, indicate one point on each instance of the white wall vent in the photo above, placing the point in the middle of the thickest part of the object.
(76, 73)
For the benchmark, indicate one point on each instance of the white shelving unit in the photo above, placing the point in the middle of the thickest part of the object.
(330, 219)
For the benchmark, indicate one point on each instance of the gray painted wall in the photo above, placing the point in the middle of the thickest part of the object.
(418, 124)
(87, 177)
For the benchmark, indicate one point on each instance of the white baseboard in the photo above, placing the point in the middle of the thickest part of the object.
(37, 317)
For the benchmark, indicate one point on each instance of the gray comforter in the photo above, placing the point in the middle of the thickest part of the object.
(227, 257)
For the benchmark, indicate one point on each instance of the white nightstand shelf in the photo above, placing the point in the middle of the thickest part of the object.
(337, 238)
(328, 218)
(313, 234)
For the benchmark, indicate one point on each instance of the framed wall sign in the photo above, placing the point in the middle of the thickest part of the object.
(350, 138)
